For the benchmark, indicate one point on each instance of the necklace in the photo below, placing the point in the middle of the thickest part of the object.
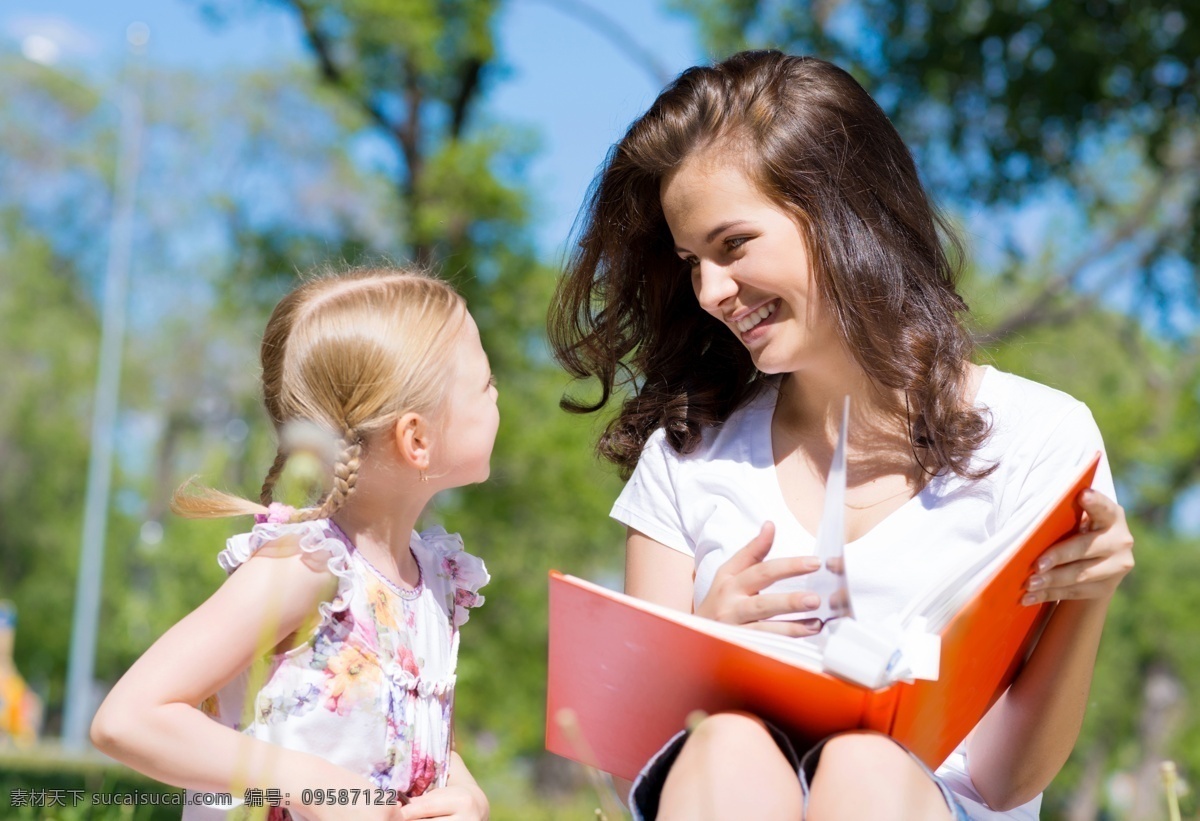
(870, 505)
(406, 593)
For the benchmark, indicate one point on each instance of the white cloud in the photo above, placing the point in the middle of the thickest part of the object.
(47, 38)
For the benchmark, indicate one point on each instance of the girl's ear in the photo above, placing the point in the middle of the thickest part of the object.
(412, 441)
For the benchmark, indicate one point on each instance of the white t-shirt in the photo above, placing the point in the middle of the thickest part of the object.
(711, 502)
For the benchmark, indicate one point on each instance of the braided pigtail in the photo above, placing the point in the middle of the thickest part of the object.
(345, 476)
(267, 494)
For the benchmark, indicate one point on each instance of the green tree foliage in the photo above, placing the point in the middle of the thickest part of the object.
(47, 338)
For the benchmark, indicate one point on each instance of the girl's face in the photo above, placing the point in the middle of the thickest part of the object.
(750, 264)
(471, 418)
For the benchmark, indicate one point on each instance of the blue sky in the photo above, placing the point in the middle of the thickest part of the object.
(574, 87)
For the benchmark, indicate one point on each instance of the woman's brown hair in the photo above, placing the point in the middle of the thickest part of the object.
(816, 143)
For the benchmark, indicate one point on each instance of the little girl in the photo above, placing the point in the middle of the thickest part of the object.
(382, 375)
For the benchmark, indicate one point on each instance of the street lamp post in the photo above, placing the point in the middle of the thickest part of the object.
(81, 664)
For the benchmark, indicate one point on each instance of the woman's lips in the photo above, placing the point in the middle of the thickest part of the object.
(755, 324)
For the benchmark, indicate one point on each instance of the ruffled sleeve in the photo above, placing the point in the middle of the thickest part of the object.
(461, 573)
(316, 539)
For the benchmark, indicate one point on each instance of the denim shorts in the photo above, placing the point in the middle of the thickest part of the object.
(647, 787)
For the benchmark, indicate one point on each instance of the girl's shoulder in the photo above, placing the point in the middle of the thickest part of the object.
(315, 541)
(315, 544)
(449, 571)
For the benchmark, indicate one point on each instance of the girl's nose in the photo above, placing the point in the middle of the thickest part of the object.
(714, 284)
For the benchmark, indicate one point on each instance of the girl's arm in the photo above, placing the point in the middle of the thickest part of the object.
(1024, 740)
(150, 722)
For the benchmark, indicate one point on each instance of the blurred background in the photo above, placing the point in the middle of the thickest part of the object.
(167, 168)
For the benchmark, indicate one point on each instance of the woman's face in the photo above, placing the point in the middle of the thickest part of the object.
(750, 264)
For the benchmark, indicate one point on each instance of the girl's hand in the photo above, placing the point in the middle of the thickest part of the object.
(736, 598)
(1089, 565)
(455, 802)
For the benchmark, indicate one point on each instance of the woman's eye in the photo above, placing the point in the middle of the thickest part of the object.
(733, 243)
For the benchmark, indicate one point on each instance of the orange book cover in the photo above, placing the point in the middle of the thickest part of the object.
(624, 675)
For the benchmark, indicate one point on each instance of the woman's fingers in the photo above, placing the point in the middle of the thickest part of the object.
(1102, 512)
(766, 573)
(1090, 564)
(736, 598)
(753, 553)
(796, 628)
(769, 605)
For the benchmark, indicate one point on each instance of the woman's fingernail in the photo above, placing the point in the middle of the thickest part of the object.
(1044, 563)
(810, 602)
(1029, 600)
(1036, 582)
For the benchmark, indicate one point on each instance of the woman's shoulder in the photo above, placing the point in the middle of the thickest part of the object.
(717, 441)
(1035, 426)
(1002, 391)
(1020, 408)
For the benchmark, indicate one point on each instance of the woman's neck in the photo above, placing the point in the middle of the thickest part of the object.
(811, 401)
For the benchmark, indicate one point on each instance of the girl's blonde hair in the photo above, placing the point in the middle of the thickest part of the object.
(346, 353)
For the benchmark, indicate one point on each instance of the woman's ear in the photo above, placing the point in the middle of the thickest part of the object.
(411, 436)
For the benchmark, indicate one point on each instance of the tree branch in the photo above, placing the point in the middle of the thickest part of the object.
(1037, 309)
(616, 34)
(468, 86)
(334, 74)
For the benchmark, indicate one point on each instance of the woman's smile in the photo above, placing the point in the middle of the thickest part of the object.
(747, 321)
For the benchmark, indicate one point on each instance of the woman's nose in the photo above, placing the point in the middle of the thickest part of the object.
(714, 284)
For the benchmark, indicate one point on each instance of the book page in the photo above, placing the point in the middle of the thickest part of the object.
(950, 593)
(829, 582)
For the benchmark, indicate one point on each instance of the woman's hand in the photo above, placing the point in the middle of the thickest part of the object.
(1089, 565)
(736, 598)
(454, 802)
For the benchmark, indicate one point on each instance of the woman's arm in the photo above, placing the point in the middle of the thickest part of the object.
(150, 722)
(657, 573)
(1025, 739)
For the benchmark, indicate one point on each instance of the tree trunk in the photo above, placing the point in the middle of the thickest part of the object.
(1162, 711)
(1085, 801)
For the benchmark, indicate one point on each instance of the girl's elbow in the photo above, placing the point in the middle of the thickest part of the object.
(111, 730)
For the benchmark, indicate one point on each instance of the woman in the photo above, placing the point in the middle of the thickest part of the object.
(757, 247)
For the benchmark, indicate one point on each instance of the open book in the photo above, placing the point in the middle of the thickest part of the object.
(625, 674)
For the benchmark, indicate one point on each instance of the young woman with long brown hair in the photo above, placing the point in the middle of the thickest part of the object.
(757, 247)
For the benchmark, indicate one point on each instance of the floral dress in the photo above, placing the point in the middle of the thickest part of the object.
(373, 686)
